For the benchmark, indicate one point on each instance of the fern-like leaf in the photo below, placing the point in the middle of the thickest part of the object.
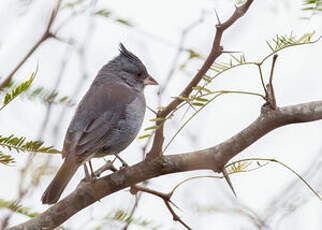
(14, 206)
(6, 159)
(48, 96)
(284, 41)
(42, 94)
(17, 91)
(122, 216)
(20, 144)
(109, 14)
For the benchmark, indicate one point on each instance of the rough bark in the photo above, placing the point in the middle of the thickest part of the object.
(213, 158)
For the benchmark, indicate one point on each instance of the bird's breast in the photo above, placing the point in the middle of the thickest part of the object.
(134, 116)
(128, 126)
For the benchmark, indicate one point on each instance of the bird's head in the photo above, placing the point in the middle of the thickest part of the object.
(132, 70)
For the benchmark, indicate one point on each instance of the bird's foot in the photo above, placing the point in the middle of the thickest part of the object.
(107, 166)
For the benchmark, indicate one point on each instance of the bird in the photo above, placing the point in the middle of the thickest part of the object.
(107, 119)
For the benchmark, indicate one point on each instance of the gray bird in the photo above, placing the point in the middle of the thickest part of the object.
(107, 119)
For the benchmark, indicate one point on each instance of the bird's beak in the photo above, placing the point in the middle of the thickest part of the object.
(150, 81)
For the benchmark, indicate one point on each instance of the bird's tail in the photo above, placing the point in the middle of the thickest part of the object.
(58, 184)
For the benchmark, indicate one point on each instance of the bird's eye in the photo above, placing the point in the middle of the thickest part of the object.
(139, 74)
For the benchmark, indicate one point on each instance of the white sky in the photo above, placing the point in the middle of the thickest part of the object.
(157, 30)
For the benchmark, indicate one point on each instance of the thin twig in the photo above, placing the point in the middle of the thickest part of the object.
(134, 208)
(47, 34)
(215, 52)
(175, 216)
(262, 78)
(82, 60)
(23, 171)
(165, 197)
(180, 49)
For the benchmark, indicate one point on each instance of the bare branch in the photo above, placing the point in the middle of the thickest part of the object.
(47, 34)
(180, 49)
(213, 158)
(165, 197)
(215, 52)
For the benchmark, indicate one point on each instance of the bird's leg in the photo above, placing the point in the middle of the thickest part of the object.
(124, 164)
(87, 176)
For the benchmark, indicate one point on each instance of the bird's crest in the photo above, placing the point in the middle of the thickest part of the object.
(128, 54)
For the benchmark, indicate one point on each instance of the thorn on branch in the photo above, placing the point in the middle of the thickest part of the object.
(216, 51)
(218, 20)
(270, 97)
(152, 110)
(227, 178)
(231, 52)
(175, 216)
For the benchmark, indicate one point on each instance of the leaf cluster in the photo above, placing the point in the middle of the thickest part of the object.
(21, 144)
(14, 206)
(6, 159)
(312, 5)
(203, 95)
(16, 91)
(40, 93)
(109, 14)
(123, 216)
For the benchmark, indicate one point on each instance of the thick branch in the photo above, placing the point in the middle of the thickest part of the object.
(213, 158)
(215, 52)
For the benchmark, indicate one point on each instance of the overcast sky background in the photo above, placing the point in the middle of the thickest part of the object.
(154, 38)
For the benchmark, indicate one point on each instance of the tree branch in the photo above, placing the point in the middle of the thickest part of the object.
(213, 158)
(47, 34)
(215, 52)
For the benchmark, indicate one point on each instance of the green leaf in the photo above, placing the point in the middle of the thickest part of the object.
(221, 66)
(157, 119)
(124, 22)
(20, 144)
(240, 166)
(192, 54)
(207, 78)
(201, 99)
(151, 127)
(144, 136)
(184, 98)
(160, 108)
(14, 206)
(122, 216)
(312, 5)
(48, 97)
(42, 94)
(72, 4)
(104, 12)
(235, 58)
(17, 91)
(197, 104)
(200, 88)
(6, 159)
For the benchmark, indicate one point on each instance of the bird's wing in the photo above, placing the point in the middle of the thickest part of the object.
(96, 117)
